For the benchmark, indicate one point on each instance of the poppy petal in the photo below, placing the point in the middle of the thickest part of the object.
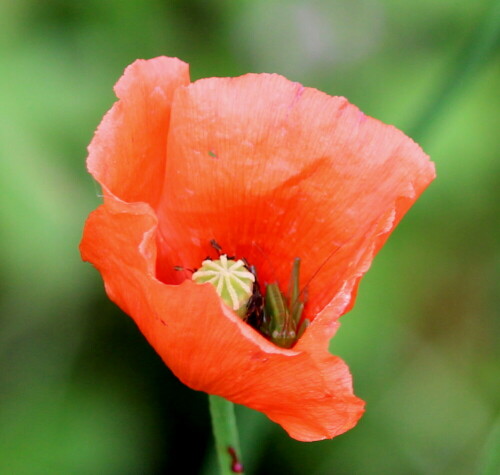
(273, 170)
(205, 344)
(131, 140)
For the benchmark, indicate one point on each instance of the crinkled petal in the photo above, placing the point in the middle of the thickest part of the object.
(205, 344)
(273, 170)
(128, 152)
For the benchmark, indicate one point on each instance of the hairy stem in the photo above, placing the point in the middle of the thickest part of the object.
(227, 444)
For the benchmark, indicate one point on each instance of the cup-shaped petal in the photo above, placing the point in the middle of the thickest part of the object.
(272, 171)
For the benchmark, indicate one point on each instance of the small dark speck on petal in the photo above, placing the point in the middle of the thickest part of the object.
(212, 154)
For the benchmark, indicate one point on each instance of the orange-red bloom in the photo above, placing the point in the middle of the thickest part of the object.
(272, 170)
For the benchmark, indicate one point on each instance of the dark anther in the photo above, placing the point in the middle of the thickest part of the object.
(216, 246)
(180, 268)
(255, 305)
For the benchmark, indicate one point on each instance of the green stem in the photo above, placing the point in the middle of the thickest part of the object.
(478, 50)
(227, 444)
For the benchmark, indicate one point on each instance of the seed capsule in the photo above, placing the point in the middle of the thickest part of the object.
(232, 280)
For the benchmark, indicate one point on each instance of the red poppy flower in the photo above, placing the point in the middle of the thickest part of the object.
(272, 170)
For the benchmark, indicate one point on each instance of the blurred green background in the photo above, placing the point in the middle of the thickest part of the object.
(81, 392)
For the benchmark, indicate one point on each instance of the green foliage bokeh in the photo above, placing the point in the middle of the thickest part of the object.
(80, 390)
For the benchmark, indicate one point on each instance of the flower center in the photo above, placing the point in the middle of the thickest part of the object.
(232, 280)
(277, 317)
